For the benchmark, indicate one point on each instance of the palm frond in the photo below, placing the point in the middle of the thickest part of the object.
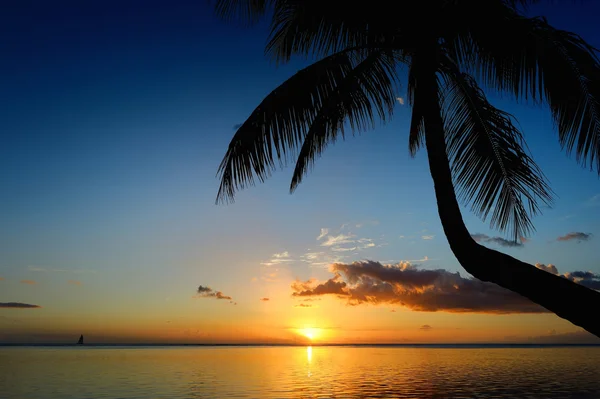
(365, 93)
(277, 127)
(534, 61)
(309, 28)
(490, 166)
(248, 12)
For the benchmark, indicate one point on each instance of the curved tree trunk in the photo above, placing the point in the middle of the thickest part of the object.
(567, 299)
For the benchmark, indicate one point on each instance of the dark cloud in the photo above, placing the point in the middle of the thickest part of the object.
(18, 305)
(421, 290)
(332, 286)
(303, 305)
(265, 299)
(587, 279)
(576, 337)
(485, 239)
(425, 327)
(577, 236)
(207, 292)
(237, 126)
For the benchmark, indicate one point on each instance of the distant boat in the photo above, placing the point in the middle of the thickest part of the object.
(80, 342)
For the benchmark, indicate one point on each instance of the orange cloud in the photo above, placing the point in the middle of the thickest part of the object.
(74, 282)
(577, 236)
(370, 282)
(265, 299)
(30, 282)
(1, 278)
(303, 305)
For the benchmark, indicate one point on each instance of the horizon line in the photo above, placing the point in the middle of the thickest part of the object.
(473, 344)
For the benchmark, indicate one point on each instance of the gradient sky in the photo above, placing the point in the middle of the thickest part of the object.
(114, 118)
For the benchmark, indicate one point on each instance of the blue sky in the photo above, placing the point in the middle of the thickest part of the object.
(114, 119)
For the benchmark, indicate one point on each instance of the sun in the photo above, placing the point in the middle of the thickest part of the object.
(309, 332)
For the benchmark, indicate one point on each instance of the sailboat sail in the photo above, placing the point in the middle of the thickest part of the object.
(80, 342)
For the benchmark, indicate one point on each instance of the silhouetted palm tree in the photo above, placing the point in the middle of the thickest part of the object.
(449, 47)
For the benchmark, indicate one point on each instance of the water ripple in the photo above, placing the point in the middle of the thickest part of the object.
(294, 372)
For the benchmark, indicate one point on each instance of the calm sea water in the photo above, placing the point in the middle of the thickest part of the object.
(298, 372)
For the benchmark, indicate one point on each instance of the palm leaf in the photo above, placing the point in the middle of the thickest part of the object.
(366, 92)
(307, 27)
(277, 127)
(246, 11)
(489, 163)
(535, 61)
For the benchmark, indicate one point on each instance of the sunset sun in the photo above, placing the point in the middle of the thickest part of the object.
(310, 333)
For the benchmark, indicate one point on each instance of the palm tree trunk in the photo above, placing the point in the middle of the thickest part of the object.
(567, 299)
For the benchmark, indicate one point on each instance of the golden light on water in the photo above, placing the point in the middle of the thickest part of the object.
(309, 354)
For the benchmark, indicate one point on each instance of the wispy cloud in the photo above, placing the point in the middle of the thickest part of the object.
(485, 239)
(304, 305)
(207, 292)
(38, 269)
(338, 240)
(30, 282)
(593, 201)
(425, 327)
(18, 305)
(265, 299)
(575, 236)
(74, 282)
(278, 258)
(370, 282)
(323, 233)
(430, 237)
(400, 100)
(1, 278)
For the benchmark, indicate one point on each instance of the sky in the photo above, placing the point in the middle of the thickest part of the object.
(114, 118)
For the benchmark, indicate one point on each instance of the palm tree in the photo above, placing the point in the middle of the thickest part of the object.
(450, 48)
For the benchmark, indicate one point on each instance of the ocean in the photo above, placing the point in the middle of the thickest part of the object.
(178, 372)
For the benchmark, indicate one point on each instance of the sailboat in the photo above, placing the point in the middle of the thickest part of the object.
(80, 342)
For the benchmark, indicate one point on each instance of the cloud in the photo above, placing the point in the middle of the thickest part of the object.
(485, 239)
(400, 100)
(332, 286)
(593, 201)
(46, 270)
(428, 237)
(370, 282)
(577, 236)
(425, 327)
(278, 258)
(74, 282)
(586, 278)
(265, 299)
(338, 240)
(237, 126)
(550, 268)
(18, 305)
(303, 305)
(323, 233)
(207, 292)
(1, 278)
(30, 282)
